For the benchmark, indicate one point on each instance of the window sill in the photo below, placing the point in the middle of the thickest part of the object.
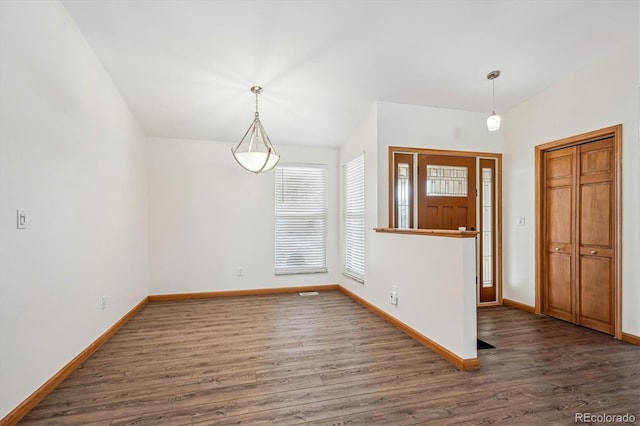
(353, 277)
(301, 271)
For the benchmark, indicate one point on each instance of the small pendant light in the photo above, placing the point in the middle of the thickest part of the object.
(255, 152)
(493, 121)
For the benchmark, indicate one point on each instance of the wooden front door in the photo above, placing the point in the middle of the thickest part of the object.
(446, 192)
(579, 200)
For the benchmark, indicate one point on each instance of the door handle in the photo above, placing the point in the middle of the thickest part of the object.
(557, 249)
(594, 252)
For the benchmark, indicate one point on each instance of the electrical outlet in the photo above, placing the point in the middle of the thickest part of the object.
(240, 272)
(520, 221)
(104, 302)
(394, 295)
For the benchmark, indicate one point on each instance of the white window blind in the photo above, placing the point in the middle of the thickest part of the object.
(353, 218)
(301, 219)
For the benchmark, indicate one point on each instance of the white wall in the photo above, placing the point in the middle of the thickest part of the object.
(436, 281)
(598, 96)
(412, 126)
(209, 217)
(73, 156)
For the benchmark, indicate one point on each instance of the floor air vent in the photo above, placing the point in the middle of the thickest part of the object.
(309, 293)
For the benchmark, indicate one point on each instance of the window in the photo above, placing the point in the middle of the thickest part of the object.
(446, 181)
(401, 213)
(487, 226)
(403, 191)
(353, 219)
(301, 219)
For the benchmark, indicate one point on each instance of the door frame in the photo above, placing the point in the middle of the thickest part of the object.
(498, 176)
(616, 133)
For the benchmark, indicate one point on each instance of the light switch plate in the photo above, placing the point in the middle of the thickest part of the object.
(520, 221)
(22, 219)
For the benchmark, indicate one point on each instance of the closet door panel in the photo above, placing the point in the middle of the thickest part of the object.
(559, 278)
(596, 235)
(559, 300)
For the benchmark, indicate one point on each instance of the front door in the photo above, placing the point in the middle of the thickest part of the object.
(446, 192)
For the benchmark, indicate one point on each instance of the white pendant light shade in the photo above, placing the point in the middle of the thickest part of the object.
(255, 152)
(493, 122)
(257, 162)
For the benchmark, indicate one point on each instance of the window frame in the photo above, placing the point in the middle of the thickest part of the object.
(317, 210)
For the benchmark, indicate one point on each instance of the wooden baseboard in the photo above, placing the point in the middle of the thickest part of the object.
(488, 304)
(461, 363)
(32, 400)
(230, 293)
(631, 338)
(519, 305)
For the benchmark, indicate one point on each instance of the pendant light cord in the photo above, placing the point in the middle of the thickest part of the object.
(493, 102)
(492, 76)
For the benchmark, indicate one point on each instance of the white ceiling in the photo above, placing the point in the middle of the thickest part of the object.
(185, 66)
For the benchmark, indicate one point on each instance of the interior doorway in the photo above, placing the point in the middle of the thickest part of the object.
(578, 230)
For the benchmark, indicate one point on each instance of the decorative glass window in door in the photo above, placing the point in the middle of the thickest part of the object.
(403, 195)
(487, 227)
(447, 181)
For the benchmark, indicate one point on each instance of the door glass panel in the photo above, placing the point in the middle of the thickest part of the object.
(403, 195)
(487, 227)
(447, 181)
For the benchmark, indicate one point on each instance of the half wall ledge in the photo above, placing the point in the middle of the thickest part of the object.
(433, 232)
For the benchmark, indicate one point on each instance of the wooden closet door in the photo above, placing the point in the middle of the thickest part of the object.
(579, 234)
(596, 235)
(559, 271)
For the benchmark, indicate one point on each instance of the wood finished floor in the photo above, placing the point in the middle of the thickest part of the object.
(326, 360)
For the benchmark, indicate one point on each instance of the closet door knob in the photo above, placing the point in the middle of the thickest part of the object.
(594, 252)
(557, 249)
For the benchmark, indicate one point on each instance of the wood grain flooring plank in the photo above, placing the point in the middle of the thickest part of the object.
(297, 411)
(286, 359)
(435, 394)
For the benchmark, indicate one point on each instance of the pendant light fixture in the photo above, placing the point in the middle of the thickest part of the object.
(255, 152)
(493, 121)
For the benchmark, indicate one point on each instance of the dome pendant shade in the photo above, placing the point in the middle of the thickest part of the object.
(493, 122)
(255, 152)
